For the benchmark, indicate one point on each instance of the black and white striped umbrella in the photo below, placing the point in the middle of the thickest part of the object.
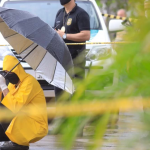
(48, 54)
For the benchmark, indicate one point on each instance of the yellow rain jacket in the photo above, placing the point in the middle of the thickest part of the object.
(27, 101)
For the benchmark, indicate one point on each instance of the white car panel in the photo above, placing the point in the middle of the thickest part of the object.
(96, 36)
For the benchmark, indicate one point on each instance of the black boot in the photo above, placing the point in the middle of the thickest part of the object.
(12, 146)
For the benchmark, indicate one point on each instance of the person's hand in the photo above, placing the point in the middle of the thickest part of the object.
(61, 33)
(3, 85)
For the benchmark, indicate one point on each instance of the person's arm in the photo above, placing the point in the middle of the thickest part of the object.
(83, 24)
(22, 96)
(56, 25)
(78, 37)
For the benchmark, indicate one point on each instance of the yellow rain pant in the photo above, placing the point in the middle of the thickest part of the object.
(27, 101)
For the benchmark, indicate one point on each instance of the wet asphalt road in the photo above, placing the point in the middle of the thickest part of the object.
(125, 129)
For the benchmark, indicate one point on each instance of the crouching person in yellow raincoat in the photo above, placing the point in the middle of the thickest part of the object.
(25, 98)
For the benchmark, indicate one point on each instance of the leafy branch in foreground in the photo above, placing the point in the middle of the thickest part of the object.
(132, 63)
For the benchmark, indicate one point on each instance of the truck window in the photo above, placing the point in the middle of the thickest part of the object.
(47, 10)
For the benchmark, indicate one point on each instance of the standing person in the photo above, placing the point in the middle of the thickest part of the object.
(25, 98)
(73, 25)
(120, 35)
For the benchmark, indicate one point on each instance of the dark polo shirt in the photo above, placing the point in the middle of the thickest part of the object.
(75, 21)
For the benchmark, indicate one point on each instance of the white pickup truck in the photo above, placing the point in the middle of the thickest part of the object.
(46, 10)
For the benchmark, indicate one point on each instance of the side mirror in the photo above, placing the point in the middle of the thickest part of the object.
(116, 25)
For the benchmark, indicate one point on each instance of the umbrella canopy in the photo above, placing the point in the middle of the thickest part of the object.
(48, 54)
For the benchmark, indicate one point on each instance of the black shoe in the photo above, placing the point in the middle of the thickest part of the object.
(12, 146)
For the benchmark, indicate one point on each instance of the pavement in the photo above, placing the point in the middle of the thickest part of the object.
(125, 128)
(51, 142)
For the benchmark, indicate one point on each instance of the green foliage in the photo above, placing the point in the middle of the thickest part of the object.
(132, 63)
(99, 3)
(112, 6)
(100, 127)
